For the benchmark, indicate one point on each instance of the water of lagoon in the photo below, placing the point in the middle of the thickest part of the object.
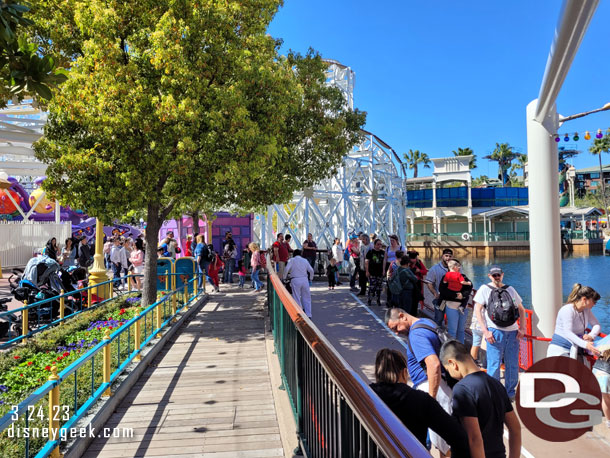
(593, 271)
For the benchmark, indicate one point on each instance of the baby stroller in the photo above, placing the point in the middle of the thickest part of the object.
(39, 281)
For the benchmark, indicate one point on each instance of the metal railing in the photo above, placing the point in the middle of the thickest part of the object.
(588, 234)
(85, 302)
(337, 414)
(102, 365)
(468, 236)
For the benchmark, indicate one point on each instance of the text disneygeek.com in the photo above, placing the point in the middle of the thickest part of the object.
(66, 434)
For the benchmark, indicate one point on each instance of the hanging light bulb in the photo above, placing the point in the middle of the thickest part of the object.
(566, 138)
(576, 137)
(599, 134)
(557, 139)
(587, 135)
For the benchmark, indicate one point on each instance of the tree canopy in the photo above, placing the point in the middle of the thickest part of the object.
(25, 70)
(467, 152)
(171, 102)
(414, 158)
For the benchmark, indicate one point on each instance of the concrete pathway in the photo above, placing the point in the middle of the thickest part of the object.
(357, 332)
(208, 394)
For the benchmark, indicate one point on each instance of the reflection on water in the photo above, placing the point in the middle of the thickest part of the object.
(588, 270)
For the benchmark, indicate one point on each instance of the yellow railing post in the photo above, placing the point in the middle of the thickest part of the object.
(195, 281)
(129, 283)
(107, 362)
(167, 282)
(137, 344)
(54, 411)
(61, 306)
(89, 297)
(24, 320)
(159, 317)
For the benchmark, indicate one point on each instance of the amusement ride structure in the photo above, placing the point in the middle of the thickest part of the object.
(367, 193)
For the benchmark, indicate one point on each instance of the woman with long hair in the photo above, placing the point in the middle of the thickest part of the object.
(137, 261)
(51, 249)
(68, 254)
(570, 337)
(257, 263)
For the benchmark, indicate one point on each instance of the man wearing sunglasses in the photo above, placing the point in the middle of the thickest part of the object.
(502, 341)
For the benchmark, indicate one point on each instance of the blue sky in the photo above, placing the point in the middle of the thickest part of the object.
(438, 75)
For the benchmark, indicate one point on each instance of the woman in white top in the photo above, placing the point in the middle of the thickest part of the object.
(572, 320)
(337, 251)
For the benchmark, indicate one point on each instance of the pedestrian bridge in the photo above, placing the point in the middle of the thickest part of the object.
(249, 375)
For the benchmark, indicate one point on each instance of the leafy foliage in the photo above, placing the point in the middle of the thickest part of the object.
(177, 102)
(504, 155)
(414, 158)
(23, 68)
(467, 152)
(599, 146)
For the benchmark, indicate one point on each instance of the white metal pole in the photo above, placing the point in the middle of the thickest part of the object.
(545, 232)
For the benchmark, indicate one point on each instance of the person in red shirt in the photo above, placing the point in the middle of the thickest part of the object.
(280, 255)
(454, 279)
(214, 268)
(189, 245)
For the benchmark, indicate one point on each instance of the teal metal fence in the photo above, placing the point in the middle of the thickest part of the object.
(113, 354)
(336, 413)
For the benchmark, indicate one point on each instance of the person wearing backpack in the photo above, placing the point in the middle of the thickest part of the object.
(401, 284)
(501, 327)
(424, 343)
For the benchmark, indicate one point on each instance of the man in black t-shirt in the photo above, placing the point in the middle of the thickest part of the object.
(481, 404)
(374, 271)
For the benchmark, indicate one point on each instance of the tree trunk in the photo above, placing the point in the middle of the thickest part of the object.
(195, 217)
(415, 171)
(601, 178)
(153, 224)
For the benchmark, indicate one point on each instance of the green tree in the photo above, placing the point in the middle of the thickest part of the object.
(24, 69)
(467, 152)
(176, 101)
(599, 146)
(414, 158)
(504, 155)
(480, 181)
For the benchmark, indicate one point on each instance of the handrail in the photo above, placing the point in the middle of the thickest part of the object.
(41, 392)
(387, 431)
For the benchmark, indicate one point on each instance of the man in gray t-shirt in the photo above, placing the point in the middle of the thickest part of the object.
(434, 277)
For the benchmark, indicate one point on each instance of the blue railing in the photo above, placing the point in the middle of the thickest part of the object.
(135, 335)
(25, 310)
(458, 197)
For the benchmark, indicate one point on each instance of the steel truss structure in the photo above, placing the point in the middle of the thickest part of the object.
(367, 194)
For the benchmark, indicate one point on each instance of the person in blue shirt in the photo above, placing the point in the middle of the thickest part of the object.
(423, 363)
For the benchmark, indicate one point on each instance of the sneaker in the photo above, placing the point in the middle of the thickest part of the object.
(339, 283)
(329, 288)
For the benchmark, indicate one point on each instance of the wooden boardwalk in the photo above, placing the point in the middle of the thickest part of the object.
(208, 393)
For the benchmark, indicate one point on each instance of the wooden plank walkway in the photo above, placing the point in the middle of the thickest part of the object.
(208, 393)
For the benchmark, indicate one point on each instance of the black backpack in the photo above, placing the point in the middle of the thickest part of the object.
(441, 332)
(443, 336)
(206, 255)
(501, 308)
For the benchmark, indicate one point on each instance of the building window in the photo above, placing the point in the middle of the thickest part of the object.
(594, 183)
(594, 176)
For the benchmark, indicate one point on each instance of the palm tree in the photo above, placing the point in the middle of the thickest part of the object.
(504, 155)
(467, 152)
(520, 165)
(601, 145)
(416, 157)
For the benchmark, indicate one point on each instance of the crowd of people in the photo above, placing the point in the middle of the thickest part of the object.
(468, 406)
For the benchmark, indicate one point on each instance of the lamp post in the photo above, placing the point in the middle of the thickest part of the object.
(98, 274)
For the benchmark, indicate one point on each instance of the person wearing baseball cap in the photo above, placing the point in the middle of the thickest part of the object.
(434, 277)
(497, 307)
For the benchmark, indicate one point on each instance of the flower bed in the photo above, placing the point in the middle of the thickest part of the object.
(27, 366)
